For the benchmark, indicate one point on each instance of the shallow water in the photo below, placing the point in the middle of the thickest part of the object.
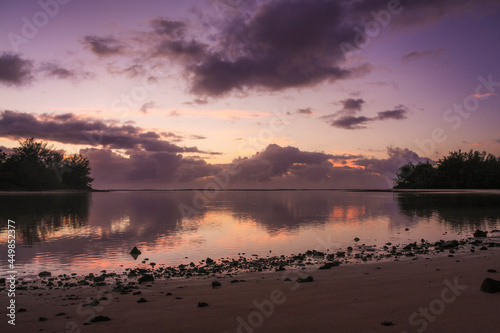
(90, 232)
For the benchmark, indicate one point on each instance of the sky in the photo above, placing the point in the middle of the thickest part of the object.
(251, 94)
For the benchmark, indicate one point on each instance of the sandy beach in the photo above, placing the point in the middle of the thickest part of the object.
(426, 293)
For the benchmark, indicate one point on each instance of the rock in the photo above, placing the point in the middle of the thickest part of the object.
(142, 300)
(99, 318)
(492, 270)
(216, 284)
(60, 314)
(42, 319)
(387, 323)
(202, 304)
(480, 233)
(169, 294)
(135, 251)
(340, 254)
(209, 261)
(44, 274)
(146, 278)
(449, 244)
(22, 310)
(329, 265)
(136, 293)
(490, 286)
(307, 279)
(356, 239)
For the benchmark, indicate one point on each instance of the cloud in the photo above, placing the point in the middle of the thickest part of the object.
(390, 166)
(347, 119)
(273, 167)
(270, 45)
(305, 111)
(352, 104)
(52, 69)
(397, 114)
(415, 55)
(14, 70)
(103, 46)
(71, 129)
(350, 122)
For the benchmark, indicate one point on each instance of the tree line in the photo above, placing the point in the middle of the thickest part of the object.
(36, 166)
(458, 170)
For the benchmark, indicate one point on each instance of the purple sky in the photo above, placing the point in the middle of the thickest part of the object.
(252, 94)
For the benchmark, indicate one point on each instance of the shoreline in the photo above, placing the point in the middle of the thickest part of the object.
(350, 297)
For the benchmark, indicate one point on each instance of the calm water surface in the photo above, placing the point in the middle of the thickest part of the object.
(82, 233)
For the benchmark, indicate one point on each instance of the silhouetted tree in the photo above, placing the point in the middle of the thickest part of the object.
(35, 166)
(471, 170)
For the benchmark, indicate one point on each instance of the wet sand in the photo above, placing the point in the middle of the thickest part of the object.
(426, 293)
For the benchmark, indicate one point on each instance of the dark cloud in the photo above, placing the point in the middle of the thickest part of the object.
(350, 122)
(172, 28)
(352, 104)
(305, 111)
(390, 166)
(277, 161)
(346, 118)
(14, 70)
(398, 114)
(422, 54)
(71, 129)
(104, 46)
(275, 166)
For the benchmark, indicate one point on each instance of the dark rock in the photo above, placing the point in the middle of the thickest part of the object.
(329, 265)
(492, 270)
(287, 279)
(142, 300)
(449, 244)
(60, 314)
(216, 284)
(483, 248)
(136, 293)
(387, 323)
(22, 310)
(135, 251)
(356, 239)
(480, 233)
(44, 274)
(340, 254)
(490, 286)
(169, 294)
(146, 278)
(209, 261)
(202, 304)
(99, 318)
(307, 279)
(42, 319)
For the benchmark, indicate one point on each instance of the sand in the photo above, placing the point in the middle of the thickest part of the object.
(429, 294)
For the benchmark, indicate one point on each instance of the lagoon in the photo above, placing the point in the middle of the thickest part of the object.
(90, 232)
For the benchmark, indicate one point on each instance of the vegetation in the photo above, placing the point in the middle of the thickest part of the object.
(459, 170)
(35, 166)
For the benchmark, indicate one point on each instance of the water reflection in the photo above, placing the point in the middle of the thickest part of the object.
(458, 211)
(94, 231)
(38, 216)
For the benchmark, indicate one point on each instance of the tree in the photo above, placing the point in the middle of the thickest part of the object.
(76, 171)
(464, 170)
(36, 166)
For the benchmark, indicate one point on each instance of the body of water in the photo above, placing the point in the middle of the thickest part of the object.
(90, 232)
